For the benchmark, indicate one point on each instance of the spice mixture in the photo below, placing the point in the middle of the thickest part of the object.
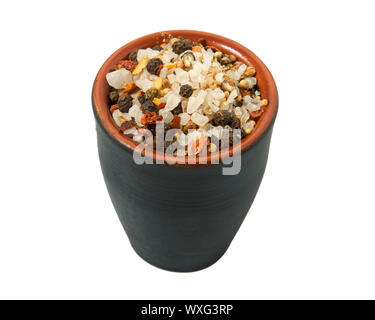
(189, 86)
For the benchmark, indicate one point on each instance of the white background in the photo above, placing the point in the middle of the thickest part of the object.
(310, 232)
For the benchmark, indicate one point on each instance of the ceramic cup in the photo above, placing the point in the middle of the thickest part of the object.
(182, 217)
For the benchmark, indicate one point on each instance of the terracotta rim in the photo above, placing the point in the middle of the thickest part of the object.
(265, 81)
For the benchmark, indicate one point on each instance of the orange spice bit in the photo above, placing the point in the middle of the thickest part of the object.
(151, 118)
(171, 66)
(127, 64)
(129, 87)
(196, 146)
(176, 122)
(113, 108)
(162, 105)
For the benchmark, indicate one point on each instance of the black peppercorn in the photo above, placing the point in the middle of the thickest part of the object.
(222, 118)
(188, 44)
(142, 98)
(238, 103)
(253, 89)
(188, 59)
(186, 91)
(153, 65)
(133, 56)
(152, 93)
(125, 104)
(157, 48)
(181, 46)
(236, 123)
(113, 96)
(149, 106)
(178, 109)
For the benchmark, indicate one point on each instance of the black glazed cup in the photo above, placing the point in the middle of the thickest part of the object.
(182, 217)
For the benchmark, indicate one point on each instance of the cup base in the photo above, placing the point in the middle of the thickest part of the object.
(173, 262)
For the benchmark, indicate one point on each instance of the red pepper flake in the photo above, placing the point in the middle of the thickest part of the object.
(127, 125)
(176, 122)
(113, 108)
(162, 105)
(127, 64)
(150, 118)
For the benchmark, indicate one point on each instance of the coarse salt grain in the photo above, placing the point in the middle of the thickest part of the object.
(199, 119)
(149, 52)
(185, 117)
(163, 72)
(144, 84)
(253, 81)
(195, 102)
(131, 131)
(194, 75)
(254, 105)
(193, 135)
(232, 96)
(241, 70)
(245, 117)
(182, 76)
(136, 112)
(219, 77)
(172, 78)
(176, 88)
(168, 56)
(237, 111)
(218, 94)
(167, 115)
(138, 138)
(172, 101)
(118, 78)
(182, 139)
